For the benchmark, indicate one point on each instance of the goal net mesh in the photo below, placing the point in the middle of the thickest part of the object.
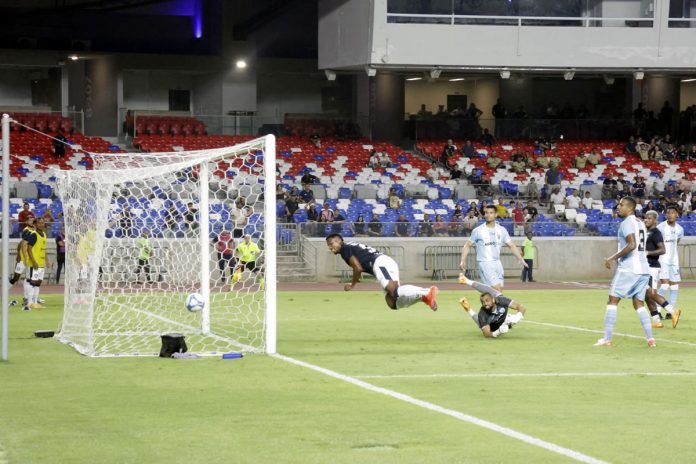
(145, 230)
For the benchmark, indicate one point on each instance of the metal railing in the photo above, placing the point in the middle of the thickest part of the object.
(519, 21)
(443, 261)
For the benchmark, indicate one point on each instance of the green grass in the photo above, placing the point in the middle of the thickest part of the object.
(57, 406)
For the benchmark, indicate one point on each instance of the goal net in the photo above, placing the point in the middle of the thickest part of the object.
(145, 230)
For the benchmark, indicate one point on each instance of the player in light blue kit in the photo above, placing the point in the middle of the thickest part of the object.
(488, 239)
(632, 275)
(669, 262)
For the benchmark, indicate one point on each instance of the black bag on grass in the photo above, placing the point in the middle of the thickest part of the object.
(172, 343)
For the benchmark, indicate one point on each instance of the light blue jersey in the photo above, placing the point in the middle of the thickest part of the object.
(636, 261)
(489, 241)
(671, 236)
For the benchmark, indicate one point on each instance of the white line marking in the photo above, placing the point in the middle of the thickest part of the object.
(523, 374)
(585, 284)
(601, 332)
(449, 412)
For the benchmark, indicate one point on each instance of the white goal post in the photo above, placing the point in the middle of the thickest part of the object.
(145, 230)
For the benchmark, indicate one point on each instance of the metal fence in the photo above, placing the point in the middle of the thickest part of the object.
(443, 261)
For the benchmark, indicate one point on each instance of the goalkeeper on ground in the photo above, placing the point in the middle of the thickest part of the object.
(493, 318)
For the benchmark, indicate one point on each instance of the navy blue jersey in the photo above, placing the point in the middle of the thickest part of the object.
(496, 316)
(366, 255)
(654, 238)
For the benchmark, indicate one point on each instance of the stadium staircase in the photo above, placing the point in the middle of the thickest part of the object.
(295, 258)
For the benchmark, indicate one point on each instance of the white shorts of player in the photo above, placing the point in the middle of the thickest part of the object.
(626, 284)
(20, 267)
(654, 277)
(385, 269)
(670, 272)
(491, 272)
(35, 274)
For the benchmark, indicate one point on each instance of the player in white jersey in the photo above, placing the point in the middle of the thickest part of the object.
(632, 275)
(488, 239)
(669, 262)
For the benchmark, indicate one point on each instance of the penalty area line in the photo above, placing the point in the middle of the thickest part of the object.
(523, 437)
(527, 374)
(601, 332)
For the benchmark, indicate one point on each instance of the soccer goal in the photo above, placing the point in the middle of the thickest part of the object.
(145, 230)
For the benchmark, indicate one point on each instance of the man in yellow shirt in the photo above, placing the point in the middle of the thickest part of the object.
(529, 253)
(35, 262)
(247, 253)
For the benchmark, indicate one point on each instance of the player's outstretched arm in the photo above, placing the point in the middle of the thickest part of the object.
(357, 271)
(465, 253)
(518, 307)
(516, 252)
(481, 288)
(486, 330)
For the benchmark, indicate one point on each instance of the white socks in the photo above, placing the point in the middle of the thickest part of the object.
(409, 295)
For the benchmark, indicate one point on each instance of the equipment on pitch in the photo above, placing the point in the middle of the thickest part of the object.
(195, 302)
(140, 237)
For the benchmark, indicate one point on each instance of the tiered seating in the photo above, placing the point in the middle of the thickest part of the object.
(44, 122)
(158, 143)
(164, 125)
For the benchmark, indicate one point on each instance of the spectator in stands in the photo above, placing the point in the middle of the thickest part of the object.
(307, 194)
(683, 204)
(394, 201)
(402, 226)
(281, 194)
(423, 113)
(455, 173)
(554, 159)
(433, 173)
(373, 162)
(473, 112)
(682, 153)
(552, 178)
(573, 200)
(692, 152)
(312, 219)
(542, 161)
(125, 221)
(23, 215)
(671, 193)
(684, 185)
(291, 206)
(580, 160)
(484, 186)
(240, 212)
(315, 140)
(172, 218)
(654, 151)
(594, 158)
(669, 153)
(374, 228)
(531, 212)
(455, 227)
(609, 187)
(518, 220)
(224, 245)
(631, 147)
(623, 186)
(338, 220)
(326, 214)
(487, 138)
(493, 161)
(556, 198)
(59, 144)
(439, 227)
(425, 228)
(60, 252)
(658, 186)
(473, 209)
(639, 188)
(642, 149)
(447, 152)
(359, 227)
(587, 200)
(384, 160)
(533, 190)
(309, 178)
(470, 221)
(519, 163)
(544, 143)
(666, 116)
(502, 210)
(468, 149)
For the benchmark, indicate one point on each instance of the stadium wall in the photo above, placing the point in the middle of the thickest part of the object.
(559, 258)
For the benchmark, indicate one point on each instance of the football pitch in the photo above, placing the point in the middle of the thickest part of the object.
(358, 383)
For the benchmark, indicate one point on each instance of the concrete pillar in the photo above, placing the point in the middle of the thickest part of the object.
(387, 105)
(101, 97)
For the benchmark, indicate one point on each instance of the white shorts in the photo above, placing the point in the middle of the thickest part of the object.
(20, 267)
(670, 272)
(385, 269)
(629, 285)
(35, 274)
(654, 277)
(491, 273)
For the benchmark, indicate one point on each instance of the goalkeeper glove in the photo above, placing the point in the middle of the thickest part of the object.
(503, 329)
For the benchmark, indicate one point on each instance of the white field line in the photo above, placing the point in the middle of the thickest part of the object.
(529, 374)
(601, 332)
(572, 454)
(3, 456)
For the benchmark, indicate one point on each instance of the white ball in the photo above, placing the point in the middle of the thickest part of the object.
(195, 302)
